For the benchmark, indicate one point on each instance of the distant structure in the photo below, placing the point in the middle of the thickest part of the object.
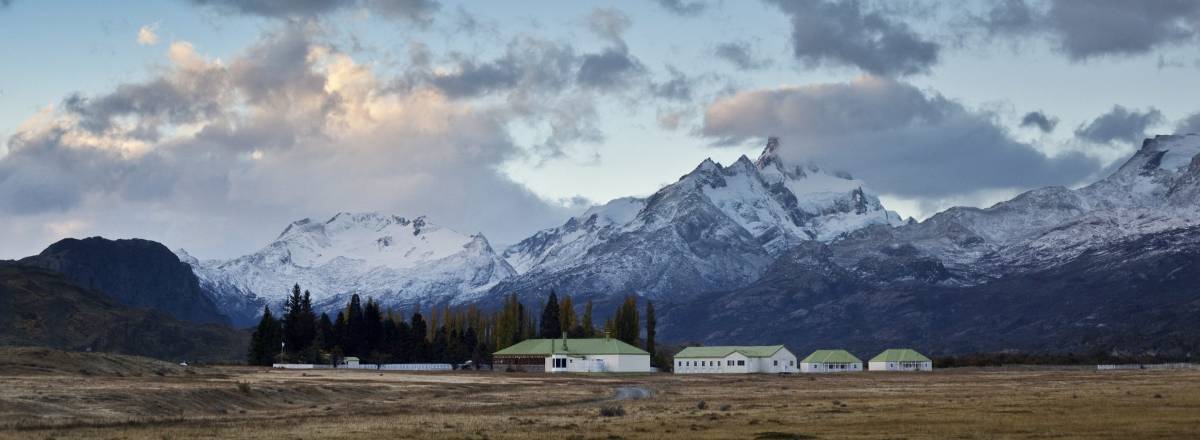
(593, 355)
(735, 359)
(900, 359)
(350, 361)
(830, 361)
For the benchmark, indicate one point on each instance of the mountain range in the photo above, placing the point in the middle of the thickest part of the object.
(768, 251)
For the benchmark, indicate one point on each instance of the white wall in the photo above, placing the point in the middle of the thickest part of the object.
(900, 366)
(814, 367)
(750, 365)
(604, 363)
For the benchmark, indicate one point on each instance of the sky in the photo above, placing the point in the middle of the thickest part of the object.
(210, 125)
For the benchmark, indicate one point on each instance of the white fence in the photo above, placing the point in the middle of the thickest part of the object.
(416, 367)
(302, 366)
(387, 367)
(1175, 366)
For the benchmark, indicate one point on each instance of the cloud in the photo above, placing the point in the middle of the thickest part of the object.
(677, 88)
(612, 68)
(1086, 29)
(1190, 124)
(1119, 124)
(610, 24)
(415, 11)
(847, 34)
(883, 129)
(1038, 119)
(683, 7)
(148, 35)
(741, 55)
(529, 64)
(288, 128)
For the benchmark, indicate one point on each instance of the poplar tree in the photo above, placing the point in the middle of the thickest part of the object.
(589, 330)
(566, 318)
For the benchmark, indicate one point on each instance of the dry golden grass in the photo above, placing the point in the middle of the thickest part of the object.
(962, 404)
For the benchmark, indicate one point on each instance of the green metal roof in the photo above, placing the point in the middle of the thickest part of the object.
(900, 355)
(722, 351)
(831, 357)
(574, 347)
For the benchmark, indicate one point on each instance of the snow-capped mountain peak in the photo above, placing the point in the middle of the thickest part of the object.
(716, 224)
(394, 259)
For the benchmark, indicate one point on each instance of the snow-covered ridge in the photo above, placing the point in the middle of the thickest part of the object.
(772, 204)
(392, 258)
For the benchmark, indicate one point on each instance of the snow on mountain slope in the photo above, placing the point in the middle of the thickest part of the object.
(1155, 190)
(392, 258)
(716, 227)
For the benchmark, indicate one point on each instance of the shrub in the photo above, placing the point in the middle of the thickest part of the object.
(701, 405)
(612, 411)
(244, 387)
(726, 407)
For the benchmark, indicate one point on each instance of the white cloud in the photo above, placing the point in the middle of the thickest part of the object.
(148, 35)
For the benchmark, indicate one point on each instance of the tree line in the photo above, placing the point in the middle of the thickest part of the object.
(447, 335)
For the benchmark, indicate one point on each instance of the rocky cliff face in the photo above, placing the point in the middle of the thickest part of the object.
(138, 273)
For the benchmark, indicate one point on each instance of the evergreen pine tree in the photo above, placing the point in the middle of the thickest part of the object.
(625, 322)
(419, 338)
(264, 343)
(325, 334)
(650, 330)
(372, 328)
(293, 335)
(353, 343)
(551, 327)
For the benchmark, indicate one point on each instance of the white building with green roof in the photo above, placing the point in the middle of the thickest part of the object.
(900, 359)
(592, 355)
(830, 361)
(735, 359)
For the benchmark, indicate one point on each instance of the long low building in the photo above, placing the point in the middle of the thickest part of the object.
(900, 359)
(592, 355)
(830, 361)
(735, 359)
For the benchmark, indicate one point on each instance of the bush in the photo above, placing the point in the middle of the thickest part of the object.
(612, 411)
(244, 387)
(726, 407)
(701, 405)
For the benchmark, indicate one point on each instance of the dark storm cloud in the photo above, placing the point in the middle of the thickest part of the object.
(417, 11)
(848, 34)
(1119, 124)
(1038, 119)
(741, 55)
(683, 7)
(884, 129)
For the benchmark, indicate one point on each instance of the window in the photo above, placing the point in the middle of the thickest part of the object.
(680, 363)
(741, 363)
(776, 363)
(560, 362)
(791, 363)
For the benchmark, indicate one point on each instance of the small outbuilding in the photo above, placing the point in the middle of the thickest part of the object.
(830, 361)
(592, 355)
(350, 361)
(900, 359)
(735, 359)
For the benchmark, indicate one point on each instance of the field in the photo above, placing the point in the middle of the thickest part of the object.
(46, 394)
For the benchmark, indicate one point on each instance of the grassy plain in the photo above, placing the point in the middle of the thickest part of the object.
(135, 399)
